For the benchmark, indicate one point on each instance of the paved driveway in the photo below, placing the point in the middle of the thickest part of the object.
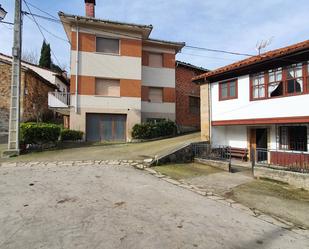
(121, 207)
(110, 151)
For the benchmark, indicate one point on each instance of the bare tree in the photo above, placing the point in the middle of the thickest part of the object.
(31, 56)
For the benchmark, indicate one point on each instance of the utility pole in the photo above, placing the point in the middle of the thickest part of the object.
(13, 143)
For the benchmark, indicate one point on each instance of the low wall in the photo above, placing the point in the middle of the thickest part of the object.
(183, 154)
(213, 163)
(299, 180)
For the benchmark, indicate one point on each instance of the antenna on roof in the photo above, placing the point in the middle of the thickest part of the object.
(263, 44)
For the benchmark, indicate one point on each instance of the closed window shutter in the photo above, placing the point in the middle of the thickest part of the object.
(156, 94)
(107, 45)
(107, 87)
(155, 60)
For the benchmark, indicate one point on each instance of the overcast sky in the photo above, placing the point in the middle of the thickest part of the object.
(234, 25)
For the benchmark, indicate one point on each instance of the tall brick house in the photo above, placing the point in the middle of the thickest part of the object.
(33, 98)
(187, 97)
(119, 76)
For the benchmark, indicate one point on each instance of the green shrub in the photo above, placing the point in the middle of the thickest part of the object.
(39, 133)
(71, 135)
(153, 130)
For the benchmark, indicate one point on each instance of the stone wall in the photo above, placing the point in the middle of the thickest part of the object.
(299, 180)
(33, 97)
(5, 92)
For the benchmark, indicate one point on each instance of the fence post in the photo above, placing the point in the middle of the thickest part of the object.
(252, 157)
(230, 159)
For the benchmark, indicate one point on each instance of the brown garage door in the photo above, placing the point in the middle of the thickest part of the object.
(105, 127)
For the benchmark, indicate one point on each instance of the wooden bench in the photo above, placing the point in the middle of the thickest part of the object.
(239, 153)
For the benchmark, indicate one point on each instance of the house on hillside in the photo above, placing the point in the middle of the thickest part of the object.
(187, 97)
(261, 103)
(36, 83)
(119, 76)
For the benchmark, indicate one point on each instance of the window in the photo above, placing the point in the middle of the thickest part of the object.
(155, 60)
(107, 45)
(275, 83)
(294, 79)
(194, 105)
(228, 90)
(258, 86)
(293, 138)
(155, 94)
(107, 87)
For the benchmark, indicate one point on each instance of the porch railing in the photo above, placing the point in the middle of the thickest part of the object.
(297, 161)
(212, 152)
(62, 96)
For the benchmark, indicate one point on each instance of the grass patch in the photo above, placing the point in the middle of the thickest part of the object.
(183, 171)
(272, 189)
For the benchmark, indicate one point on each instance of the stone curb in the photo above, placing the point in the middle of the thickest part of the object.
(139, 164)
(231, 203)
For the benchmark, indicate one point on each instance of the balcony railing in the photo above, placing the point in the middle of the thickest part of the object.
(58, 99)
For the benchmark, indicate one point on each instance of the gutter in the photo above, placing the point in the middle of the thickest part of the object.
(77, 68)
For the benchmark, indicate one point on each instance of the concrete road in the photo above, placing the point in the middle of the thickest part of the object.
(121, 207)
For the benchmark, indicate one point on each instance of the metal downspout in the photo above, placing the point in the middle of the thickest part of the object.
(77, 68)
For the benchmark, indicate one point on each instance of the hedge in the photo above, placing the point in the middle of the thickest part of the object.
(153, 130)
(71, 135)
(39, 133)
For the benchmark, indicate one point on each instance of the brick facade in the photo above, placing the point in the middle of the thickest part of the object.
(185, 88)
(34, 97)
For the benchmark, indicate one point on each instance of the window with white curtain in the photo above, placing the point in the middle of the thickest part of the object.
(294, 83)
(258, 86)
(275, 83)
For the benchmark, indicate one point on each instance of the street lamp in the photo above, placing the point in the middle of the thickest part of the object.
(2, 13)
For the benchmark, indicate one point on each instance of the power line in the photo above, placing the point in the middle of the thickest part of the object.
(56, 36)
(186, 46)
(43, 11)
(205, 56)
(41, 32)
(218, 51)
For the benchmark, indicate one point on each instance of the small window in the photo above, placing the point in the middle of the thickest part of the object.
(293, 138)
(258, 86)
(194, 105)
(294, 83)
(155, 94)
(107, 45)
(228, 90)
(155, 60)
(107, 87)
(275, 83)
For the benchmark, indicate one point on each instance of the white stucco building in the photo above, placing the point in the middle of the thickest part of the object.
(262, 103)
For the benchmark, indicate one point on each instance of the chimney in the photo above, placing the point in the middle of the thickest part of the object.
(89, 5)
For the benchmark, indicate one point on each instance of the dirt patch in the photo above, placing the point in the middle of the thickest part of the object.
(274, 198)
(184, 171)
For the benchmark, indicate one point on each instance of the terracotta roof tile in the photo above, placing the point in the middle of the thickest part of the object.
(256, 59)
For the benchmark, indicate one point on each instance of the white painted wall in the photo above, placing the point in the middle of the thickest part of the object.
(91, 101)
(158, 77)
(234, 136)
(107, 66)
(158, 107)
(243, 108)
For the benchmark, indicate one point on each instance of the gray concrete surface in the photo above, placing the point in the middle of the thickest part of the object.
(121, 207)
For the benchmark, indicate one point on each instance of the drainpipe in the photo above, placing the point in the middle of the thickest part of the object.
(210, 112)
(77, 68)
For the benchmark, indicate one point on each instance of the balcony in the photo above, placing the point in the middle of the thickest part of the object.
(59, 102)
